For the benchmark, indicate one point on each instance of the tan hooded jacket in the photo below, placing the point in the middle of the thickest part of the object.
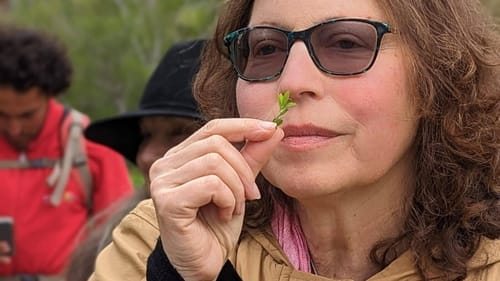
(257, 258)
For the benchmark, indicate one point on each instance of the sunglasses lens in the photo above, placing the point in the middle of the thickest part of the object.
(344, 47)
(341, 47)
(260, 53)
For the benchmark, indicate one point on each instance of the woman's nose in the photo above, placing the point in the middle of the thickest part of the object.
(300, 75)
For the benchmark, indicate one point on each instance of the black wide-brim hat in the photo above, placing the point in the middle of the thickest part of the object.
(167, 93)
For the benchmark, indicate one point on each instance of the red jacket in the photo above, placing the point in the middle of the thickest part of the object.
(44, 235)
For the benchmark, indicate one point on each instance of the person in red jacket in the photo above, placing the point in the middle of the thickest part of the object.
(43, 190)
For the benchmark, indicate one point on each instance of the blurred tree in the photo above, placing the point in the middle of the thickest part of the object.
(114, 44)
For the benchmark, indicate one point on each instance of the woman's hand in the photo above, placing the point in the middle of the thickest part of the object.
(199, 189)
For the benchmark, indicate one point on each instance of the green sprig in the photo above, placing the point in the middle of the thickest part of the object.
(285, 103)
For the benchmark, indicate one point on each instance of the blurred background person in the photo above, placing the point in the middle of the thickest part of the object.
(53, 179)
(167, 114)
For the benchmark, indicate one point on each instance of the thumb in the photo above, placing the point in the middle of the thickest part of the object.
(257, 153)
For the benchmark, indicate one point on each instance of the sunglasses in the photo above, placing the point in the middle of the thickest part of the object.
(338, 47)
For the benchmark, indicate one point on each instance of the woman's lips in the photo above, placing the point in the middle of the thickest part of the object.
(305, 137)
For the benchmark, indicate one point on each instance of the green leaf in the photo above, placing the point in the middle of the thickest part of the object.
(284, 103)
(286, 95)
(280, 99)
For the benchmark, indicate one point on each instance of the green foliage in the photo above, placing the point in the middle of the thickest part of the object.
(115, 44)
(284, 103)
(136, 176)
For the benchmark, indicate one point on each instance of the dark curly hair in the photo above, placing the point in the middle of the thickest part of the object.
(455, 77)
(30, 58)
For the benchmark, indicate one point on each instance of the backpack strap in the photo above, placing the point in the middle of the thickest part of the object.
(74, 154)
(72, 125)
(23, 163)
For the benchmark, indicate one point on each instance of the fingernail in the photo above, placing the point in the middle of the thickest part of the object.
(266, 125)
(255, 192)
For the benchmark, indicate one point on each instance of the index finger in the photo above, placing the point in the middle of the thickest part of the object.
(233, 129)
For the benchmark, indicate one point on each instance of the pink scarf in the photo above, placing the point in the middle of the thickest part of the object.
(286, 228)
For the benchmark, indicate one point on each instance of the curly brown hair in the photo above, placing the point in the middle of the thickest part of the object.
(30, 58)
(455, 75)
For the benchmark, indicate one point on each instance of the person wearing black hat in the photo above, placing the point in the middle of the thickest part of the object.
(166, 115)
(167, 111)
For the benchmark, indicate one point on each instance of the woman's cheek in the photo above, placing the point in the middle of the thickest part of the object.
(254, 101)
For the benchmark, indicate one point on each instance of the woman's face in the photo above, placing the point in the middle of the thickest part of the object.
(159, 134)
(346, 132)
